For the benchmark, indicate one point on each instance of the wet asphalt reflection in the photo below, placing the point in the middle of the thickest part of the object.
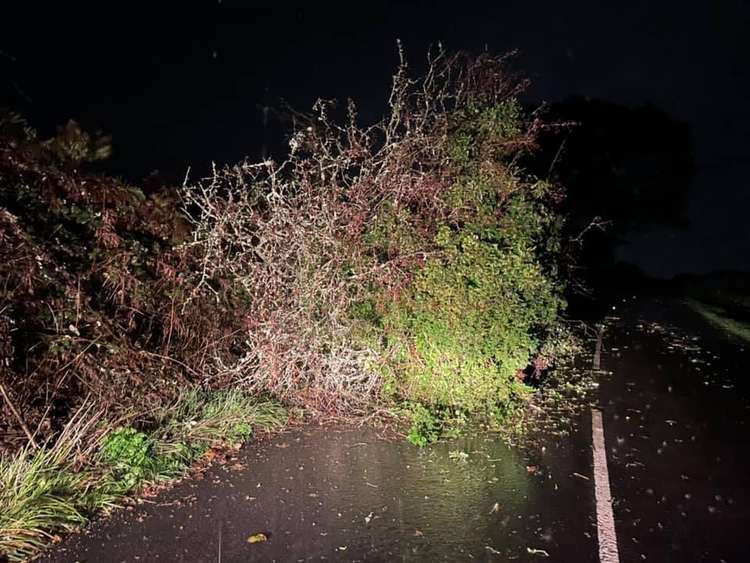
(344, 494)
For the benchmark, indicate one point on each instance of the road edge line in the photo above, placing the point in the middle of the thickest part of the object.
(605, 521)
(597, 363)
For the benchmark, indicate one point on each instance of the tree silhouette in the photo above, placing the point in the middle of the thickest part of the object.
(630, 167)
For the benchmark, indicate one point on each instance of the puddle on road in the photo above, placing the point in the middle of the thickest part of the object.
(345, 494)
(375, 499)
(452, 498)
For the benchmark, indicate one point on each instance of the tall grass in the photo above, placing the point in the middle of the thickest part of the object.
(55, 489)
(43, 491)
(205, 418)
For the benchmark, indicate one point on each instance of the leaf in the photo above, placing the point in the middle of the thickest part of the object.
(257, 538)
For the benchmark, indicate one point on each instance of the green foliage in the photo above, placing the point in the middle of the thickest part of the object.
(365, 310)
(479, 132)
(484, 304)
(425, 426)
(473, 318)
(130, 455)
(391, 232)
(428, 424)
(183, 432)
(132, 458)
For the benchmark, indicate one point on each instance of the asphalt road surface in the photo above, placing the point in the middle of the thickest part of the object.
(674, 400)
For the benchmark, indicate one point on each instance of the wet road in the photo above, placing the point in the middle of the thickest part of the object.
(342, 494)
(674, 411)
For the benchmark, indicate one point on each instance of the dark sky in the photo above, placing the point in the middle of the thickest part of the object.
(179, 83)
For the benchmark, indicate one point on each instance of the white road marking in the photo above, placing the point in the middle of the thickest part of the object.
(605, 521)
(598, 352)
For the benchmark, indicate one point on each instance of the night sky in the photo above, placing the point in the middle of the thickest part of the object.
(183, 83)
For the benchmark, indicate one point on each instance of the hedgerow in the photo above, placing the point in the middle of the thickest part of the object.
(410, 260)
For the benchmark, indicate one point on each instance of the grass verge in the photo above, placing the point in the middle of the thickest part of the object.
(93, 464)
(718, 317)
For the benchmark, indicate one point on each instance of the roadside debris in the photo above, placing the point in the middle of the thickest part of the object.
(257, 538)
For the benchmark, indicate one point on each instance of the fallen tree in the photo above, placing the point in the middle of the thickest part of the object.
(409, 260)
